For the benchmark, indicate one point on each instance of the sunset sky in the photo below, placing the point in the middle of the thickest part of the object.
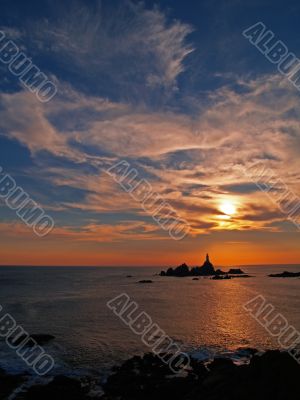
(176, 90)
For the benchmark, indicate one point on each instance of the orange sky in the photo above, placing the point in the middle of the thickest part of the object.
(227, 248)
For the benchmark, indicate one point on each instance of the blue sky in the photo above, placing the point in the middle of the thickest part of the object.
(174, 88)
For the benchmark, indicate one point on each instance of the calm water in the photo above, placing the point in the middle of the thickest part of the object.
(70, 303)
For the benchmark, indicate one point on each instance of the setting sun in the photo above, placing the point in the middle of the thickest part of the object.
(228, 208)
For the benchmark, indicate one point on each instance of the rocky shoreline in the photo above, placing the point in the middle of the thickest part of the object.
(272, 375)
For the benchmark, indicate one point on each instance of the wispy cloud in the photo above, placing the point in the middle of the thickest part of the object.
(117, 69)
(93, 232)
(128, 51)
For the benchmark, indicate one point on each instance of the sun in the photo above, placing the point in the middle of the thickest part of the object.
(228, 208)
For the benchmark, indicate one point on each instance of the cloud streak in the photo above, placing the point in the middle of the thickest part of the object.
(131, 52)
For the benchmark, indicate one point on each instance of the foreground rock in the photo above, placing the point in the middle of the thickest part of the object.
(60, 388)
(8, 383)
(41, 339)
(286, 274)
(274, 375)
(271, 376)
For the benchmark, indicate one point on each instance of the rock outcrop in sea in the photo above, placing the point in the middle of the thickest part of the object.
(286, 274)
(235, 271)
(207, 269)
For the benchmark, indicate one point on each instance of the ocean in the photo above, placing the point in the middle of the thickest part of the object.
(200, 315)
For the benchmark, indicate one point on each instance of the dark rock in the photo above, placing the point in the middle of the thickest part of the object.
(60, 388)
(286, 274)
(196, 271)
(220, 370)
(276, 374)
(221, 364)
(247, 351)
(235, 271)
(250, 350)
(207, 268)
(41, 339)
(272, 376)
(198, 368)
(146, 378)
(145, 281)
(183, 270)
(128, 276)
(195, 279)
(221, 277)
(220, 272)
(8, 383)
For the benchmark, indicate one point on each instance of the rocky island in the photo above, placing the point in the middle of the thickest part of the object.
(286, 274)
(207, 269)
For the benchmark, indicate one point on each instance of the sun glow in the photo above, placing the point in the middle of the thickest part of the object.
(228, 208)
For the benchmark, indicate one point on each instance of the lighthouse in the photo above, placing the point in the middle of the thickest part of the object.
(207, 267)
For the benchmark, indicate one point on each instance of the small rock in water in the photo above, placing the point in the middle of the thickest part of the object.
(286, 274)
(236, 271)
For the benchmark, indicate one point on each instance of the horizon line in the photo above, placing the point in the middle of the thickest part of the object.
(133, 266)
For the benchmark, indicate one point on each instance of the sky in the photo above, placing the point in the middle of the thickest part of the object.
(175, 90)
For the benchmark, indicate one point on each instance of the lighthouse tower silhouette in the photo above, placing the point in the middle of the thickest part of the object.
(207, 268)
